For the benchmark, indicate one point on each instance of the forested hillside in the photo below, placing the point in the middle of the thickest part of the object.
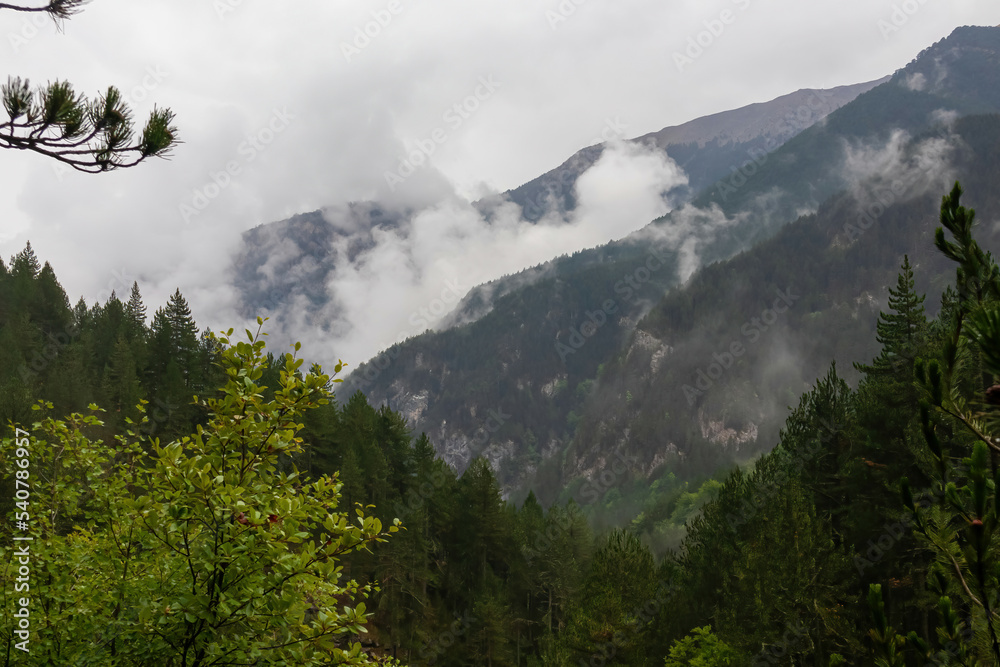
(867, 536)
(828, 215)
(112, 353)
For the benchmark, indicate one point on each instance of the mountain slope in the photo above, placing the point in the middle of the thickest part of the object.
(528, 361)
(289, 262)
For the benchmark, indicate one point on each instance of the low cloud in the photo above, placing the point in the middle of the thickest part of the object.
(909, 169)
(946, 117)
(690, 230)
(916, 81)
(411, 275)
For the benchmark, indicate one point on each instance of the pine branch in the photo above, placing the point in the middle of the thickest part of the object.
(90, 136)
(57, 9)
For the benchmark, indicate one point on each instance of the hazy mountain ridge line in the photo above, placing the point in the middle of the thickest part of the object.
(554, 189)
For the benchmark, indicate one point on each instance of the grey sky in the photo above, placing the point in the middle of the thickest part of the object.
(269, 91)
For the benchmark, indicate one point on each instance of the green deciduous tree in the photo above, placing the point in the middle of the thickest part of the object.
(701, 649)
(208, 550)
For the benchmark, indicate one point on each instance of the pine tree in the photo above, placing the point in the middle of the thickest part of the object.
(135, 312)
(50, 307)
(5, 289)
(184, 348)
(490, 633)
(184, 331)
(160, 344)
(121, 382)
(620, 584)
(25, 263)
(899, 331)
(81, 315)
(151, 561)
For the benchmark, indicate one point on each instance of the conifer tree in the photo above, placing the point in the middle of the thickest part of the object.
(617, 588)
(199, 551)
(50, 306)
(121, 382)
(183, 330)
(956, 518)
(899, 331)
(25, 263)
(135, 312)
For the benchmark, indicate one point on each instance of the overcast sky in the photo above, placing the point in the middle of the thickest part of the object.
(307, 110)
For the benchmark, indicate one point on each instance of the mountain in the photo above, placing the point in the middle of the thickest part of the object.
(289, 262)
(548, 405)
(705, 148)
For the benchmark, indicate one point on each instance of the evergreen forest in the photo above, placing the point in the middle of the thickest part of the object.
(197, 499)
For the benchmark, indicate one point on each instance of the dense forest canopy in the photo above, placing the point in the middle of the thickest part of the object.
(867, 535)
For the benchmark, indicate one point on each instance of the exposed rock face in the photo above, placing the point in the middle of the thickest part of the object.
(716, 432)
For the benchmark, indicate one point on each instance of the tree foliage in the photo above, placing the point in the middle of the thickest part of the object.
(806, 556)
(90, 135)
(206, 550)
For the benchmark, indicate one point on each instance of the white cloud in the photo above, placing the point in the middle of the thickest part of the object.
(916, 81)
(226, 77)
(899, 166)
(415, 274)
